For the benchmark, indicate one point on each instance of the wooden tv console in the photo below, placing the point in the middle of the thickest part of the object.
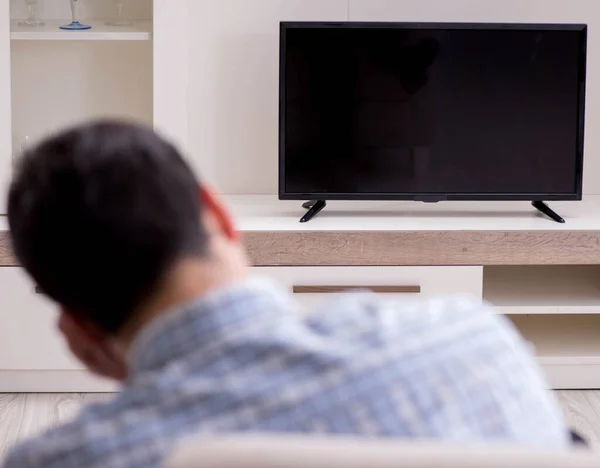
(544, 275)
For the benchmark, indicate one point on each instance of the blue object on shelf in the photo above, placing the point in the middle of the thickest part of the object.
(75, 26)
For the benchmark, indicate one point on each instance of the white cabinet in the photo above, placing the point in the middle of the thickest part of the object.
(50, 78)
(28, 335)
(33, 354)
(205, 74)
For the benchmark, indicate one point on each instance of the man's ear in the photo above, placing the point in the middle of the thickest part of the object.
(74, 328)
(100, 353)
(216, 214)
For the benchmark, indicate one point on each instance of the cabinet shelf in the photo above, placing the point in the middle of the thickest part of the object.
(140, 30)
(567, 347)
(543, 289)
(562, 339)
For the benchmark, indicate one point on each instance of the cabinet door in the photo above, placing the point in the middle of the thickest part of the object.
(5, 106)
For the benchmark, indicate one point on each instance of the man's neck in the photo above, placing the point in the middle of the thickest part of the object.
(188, 280)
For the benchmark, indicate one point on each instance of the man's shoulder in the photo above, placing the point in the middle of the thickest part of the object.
(377, 312)
(366, 324)
(74, 444)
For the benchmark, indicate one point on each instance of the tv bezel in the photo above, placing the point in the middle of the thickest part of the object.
(435, 196)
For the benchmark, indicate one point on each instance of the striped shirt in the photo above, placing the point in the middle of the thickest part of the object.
(249, 358)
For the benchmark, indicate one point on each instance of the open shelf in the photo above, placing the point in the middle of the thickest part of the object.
(567, 347)
(560, 339)
(543, 290)
(107, 79)
(140, 30)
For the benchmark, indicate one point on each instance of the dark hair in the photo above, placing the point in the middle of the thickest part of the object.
(99, 213)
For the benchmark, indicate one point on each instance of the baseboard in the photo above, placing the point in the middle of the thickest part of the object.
(50, 381)
(573, 377)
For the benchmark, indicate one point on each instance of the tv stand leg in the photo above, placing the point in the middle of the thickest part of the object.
(314, 208)
(545, 209)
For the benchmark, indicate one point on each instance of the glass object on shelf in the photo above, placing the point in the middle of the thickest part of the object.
(119, 20)
(74, 25)
(32, 20)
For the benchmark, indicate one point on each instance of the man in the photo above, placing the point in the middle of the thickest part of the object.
(152, 283)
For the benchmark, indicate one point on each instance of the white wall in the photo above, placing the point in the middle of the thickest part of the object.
(233, 86)
(233, 72)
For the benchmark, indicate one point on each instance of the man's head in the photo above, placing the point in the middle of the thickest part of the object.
(102, 213)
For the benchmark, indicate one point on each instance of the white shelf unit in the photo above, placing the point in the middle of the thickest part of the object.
(140, 30)
(50, 79)
(60, 78)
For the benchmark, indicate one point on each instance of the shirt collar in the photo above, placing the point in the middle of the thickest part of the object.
(206, 320)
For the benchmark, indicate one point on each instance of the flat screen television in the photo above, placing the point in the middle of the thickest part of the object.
(431, 112)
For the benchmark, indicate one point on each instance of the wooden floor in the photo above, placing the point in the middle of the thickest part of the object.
(26, 415)
(582, 411)
(23, 416)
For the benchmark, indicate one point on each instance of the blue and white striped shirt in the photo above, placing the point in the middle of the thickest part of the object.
(248, 358)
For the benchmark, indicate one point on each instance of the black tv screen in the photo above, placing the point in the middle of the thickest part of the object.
(432, 111)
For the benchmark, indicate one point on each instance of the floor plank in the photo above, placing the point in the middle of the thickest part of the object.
(23, 416)
(26, 415)
(582, 412)
(12, 410)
